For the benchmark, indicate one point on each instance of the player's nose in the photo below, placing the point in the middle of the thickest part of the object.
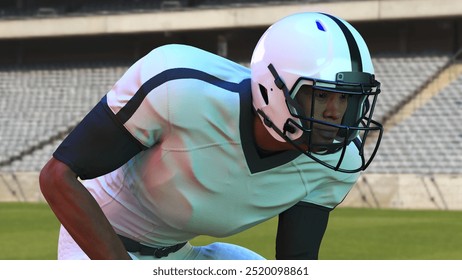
(333, 107)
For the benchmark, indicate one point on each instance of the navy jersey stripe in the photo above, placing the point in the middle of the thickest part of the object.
(355, 54)
(168, 75)
(98, 144)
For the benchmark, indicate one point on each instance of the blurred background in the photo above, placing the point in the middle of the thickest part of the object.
(58, 58)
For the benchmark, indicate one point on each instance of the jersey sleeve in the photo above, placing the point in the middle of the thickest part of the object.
(128, 119)
(98, 144)
(300, 231)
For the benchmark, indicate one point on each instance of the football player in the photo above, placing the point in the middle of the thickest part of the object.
(188, 143)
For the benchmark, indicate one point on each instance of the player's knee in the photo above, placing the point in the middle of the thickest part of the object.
(226, 251)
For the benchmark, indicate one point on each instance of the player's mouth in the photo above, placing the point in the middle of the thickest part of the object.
(326, 134)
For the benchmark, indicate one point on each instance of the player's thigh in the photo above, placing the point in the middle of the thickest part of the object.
(214, 251)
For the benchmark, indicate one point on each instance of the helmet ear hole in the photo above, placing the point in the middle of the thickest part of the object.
(264, 93)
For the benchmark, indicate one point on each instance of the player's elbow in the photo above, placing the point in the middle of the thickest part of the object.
(52, 178)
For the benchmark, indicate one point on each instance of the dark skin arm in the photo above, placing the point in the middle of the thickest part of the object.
(79, 212)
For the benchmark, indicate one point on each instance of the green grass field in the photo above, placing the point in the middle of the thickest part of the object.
(29, 232)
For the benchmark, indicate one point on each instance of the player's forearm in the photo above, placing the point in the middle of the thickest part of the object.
(80, 214)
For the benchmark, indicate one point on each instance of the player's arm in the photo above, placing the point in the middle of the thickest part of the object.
(76, 209)
(300, 231)
(99, 144)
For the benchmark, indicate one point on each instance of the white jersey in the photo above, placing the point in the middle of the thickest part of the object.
(201, 172)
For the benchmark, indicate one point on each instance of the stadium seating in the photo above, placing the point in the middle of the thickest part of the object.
(401, 76)
(429, 141)
(59, 8)
(41, 104)
(110, 7)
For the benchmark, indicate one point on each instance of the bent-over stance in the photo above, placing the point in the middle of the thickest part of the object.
(188, 143)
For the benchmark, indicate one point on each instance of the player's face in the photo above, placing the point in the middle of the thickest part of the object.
(328, 107)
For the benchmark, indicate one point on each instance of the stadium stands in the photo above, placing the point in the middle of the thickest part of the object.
(40, 105)
(59, 8)
(401, 76)
(427, 142)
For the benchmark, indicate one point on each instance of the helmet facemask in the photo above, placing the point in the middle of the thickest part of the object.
(350, 99)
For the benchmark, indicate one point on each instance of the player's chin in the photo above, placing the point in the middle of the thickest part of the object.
(318, 144)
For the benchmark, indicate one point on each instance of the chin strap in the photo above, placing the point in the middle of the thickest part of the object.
(282, 86)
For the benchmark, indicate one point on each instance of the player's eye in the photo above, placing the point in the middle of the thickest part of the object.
(320, 95)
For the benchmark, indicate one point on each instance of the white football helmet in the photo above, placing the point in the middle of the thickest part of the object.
(316, 54)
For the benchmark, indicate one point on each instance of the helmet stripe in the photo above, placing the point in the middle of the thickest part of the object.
(355, 55)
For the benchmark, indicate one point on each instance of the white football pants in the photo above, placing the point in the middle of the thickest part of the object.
(69, 250)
